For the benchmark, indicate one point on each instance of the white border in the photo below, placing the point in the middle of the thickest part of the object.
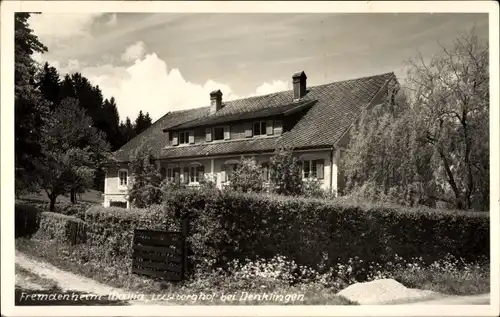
(7, 152)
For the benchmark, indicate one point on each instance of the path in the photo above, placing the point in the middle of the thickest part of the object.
(66, 281)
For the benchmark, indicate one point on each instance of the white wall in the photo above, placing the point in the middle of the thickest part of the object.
(213, 168)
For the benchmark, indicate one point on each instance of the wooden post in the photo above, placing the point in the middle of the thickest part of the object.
(185, 247)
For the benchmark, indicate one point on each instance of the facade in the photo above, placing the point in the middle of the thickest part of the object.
(208, 142)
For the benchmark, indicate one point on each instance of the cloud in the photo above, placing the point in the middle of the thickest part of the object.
(269, 88)
(54, 28)
(147, 84)
(113, 20)
(134, 52)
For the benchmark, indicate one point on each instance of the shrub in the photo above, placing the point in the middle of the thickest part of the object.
(247, 177)
(312, 188)
(66, 208)
(146, 187)
(27, 220)
(285, 173)
(228, 225)
(67, 229)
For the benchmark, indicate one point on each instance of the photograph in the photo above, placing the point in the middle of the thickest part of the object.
(263, 159)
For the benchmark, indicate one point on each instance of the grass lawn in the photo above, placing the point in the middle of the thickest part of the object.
(91, 196)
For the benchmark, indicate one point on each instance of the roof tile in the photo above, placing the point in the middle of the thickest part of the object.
(338, 105)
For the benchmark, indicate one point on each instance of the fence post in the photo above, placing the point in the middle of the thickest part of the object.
(185, 246)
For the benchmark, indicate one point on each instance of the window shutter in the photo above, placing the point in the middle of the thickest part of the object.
(175, 138)
(208, 134)
(186, 175)
(301, 169)
(227, 133)
(223, 173)
(163, 173)
(265, 171)
(191, 137)
(249, 131)
(201, 172)
(177, 176)
(169, 141)
(320, 169)
(269, 127)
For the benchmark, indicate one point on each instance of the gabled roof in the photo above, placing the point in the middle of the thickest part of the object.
(154, 137)
(337, 106)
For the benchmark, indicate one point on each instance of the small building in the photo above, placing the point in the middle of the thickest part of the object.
(208, 142)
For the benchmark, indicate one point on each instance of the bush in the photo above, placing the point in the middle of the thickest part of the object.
(67, 229)
(146, 187)
(229, 225)
(65, 208)
(27, 220)
(312, 188)
(247, 177)
(285, 173)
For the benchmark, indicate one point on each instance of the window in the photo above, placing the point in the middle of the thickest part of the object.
(120, 204)
(228, 169)
(183, 137)
(219, 133)
(312, 168)
(173, 174)
(266, 175)
(123, 175)
(196, 173)
(259, 128)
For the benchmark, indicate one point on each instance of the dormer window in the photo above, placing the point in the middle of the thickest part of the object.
(183, 137)
(259, 128)
(219, 133)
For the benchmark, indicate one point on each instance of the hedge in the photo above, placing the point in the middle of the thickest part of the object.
(67, 229)
(318, 233)
(66, 208)
(27, 220)
(228, 225)
(110, 232)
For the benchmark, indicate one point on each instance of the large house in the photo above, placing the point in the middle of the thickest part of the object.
(208, 142)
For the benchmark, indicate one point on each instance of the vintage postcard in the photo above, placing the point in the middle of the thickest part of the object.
(249, 158)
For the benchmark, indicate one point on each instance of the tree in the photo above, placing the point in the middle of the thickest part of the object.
(146, 185)
(431, 144)
(247, 177)
(67, 89)
(31, 110)
(285, 173)
(50, 84)
(127, 130)
(451, 101)
(112, 119)
(72, 149)
(142, 122)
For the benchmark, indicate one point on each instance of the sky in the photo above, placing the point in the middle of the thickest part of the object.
(160, 62)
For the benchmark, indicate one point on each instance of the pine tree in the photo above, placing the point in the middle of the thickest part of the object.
(31, 109)
(50, 84)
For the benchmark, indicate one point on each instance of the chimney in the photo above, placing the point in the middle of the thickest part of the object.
(215, 101)
(299, 85)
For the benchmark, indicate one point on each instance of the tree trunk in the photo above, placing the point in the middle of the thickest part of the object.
(73, 196)
(52, 198)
